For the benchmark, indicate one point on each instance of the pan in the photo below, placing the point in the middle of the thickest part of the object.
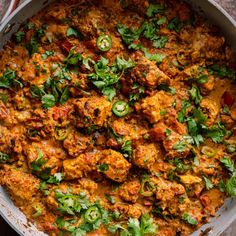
(211, 11)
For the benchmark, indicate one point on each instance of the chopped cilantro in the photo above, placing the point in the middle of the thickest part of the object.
(195, 94)
(182, 113)
(154, 9)
(189, 219)
(175, 24)
(19, 36)
(46, 54)
(208, 183)
(48, 100)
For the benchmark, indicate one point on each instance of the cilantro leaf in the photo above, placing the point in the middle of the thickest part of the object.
(109, 92)
(154, 9)
(182, 113)
(189, 219)
(48, 100)
(208, 183)
(228, 164)
(46, 54)
(222, 71)
(128, 35)
(6, 80)
(160, 41)
(32, 46)
(55, 179)
(65, 95)
(73, 58)
(195, 94)
(175, 24)
(19, 36)
(73, 32)
(71, 204)
(217, 133)
(230, 185)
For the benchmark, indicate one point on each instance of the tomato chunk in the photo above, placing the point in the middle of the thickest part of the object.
(228, 99)
(61, 112)
(65, 45)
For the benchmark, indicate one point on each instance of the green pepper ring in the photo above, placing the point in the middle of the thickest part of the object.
(61, 133)
(104, 42)
(120, 108)
(150, 188)
(92, 214)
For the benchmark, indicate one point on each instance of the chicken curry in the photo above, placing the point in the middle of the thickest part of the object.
(118, 118)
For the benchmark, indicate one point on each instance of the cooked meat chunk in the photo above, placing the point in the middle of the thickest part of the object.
(44, 156)
(76, 143)
(90, 23)
(166, 190)
(175, 144)
(22, 186)
(211, 109)
(92, 111)
(70, 153)
(78, 167)
(129, 190)
(212, 200)
(148, 74)
(116, 166)
(129, 211)
(145, 155)
(152, 106)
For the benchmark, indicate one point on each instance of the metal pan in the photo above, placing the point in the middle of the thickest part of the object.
(212, 11)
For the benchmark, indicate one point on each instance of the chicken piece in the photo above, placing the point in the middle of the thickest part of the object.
(129, 190)
(212, 200)
(21, 186)
(148, 74)
(116, 166)
(166, 190)
(93, 111)
(174, 144)
(190, 179)
(78, 167)
(144, 156)
(228, 121)
(89, 185)
(130, 130)
(90, 23)
(198, 73)
(76, 143)
(207, 87)
(206, 45)
(128, 211)
(211, 109)
(45, 156)
(152, 106)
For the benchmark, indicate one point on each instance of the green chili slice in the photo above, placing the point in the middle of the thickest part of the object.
(92, 214)
(61, 133)
(3, 157)
(120, 108)
(208, 151)
(147, 188)
(38, 211)
(104, 42)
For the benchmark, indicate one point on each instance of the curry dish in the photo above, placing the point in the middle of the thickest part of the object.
(118, 118)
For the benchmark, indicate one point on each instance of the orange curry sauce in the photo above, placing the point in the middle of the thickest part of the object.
(118, 118)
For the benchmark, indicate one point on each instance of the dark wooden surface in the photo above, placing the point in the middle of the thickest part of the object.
(5, 229)
(230, 6)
